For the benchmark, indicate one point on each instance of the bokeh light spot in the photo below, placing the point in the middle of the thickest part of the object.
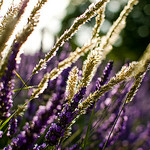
(105, 27)
(143, 31)
(114, 6)
(147, 9)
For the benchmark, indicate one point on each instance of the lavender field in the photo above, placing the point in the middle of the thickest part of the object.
(72, 97)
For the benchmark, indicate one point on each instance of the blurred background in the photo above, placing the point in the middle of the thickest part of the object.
(57, 16)
(133, 39)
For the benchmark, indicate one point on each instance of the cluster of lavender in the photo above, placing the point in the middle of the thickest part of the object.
(46, 102)
(65, 118)
(7, 85)
(107, 110)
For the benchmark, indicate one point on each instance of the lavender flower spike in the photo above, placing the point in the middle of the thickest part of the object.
(68, 114)
(6, 84)
(12, 129)
(103, 79)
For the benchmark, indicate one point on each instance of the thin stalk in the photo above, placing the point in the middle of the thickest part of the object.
(114, 124)
(88, 129)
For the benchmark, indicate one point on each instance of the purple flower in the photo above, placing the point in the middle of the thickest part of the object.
(103, 79)
(1, 134)
(12, 129)
(65, 118)
(7, 84)
(41, 147)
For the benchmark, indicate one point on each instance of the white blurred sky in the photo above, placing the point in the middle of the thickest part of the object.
(51, 14)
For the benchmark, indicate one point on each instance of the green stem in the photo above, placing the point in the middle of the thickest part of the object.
(88, 129)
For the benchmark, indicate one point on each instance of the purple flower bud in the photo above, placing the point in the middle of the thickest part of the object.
(12, 129)
(1, 134)
(41, 147)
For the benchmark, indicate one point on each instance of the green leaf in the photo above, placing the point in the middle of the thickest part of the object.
(26, 88)
(21, 80)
